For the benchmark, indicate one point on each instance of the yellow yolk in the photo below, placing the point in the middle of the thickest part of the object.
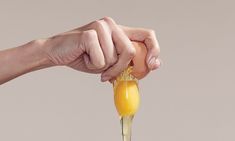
(126, 97)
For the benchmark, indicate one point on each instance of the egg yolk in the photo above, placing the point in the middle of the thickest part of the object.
(126, 97)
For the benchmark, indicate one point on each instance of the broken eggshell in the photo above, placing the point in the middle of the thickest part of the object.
(140, 68)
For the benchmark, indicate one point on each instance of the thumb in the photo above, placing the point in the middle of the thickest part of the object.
(153, 53)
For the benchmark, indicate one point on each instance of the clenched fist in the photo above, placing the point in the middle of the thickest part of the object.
(102, 47)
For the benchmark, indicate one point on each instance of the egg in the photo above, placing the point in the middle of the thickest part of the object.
(140, 68)
(126, 92)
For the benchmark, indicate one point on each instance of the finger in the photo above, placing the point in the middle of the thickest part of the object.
(149, 38)
(126, 53)
(81, 65)
(89, 64)
(155, 65)
(105, 40)
(95, 58)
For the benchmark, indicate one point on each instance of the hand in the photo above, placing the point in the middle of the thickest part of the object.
(101, 47)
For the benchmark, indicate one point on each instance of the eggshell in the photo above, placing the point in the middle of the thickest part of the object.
(140, 68)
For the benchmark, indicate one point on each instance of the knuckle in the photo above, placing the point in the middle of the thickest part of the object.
(109, 20)
(151, 41)
(111, 61)
(151, 32)
(97, 24)
(156, 53)
(89, 34)
(158, 49)
(88, 39)
(100, 64)
(131, 52)
(38, 42)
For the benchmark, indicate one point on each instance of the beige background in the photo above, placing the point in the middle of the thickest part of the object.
(191, 98)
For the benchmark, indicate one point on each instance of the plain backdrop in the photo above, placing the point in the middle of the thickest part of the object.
(190, 98)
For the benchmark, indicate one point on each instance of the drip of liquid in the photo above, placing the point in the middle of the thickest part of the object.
(126, 122)
(126, 97)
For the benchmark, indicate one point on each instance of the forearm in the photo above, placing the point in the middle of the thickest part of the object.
(23, 59)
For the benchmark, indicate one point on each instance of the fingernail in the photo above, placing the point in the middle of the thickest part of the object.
(105, 78)
(158, 62)
(156, 65)
(152, 62)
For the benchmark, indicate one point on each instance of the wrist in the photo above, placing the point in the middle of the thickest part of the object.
(23, 59)
(36, 49)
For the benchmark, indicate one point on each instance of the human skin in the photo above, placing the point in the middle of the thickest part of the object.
(101, 47)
